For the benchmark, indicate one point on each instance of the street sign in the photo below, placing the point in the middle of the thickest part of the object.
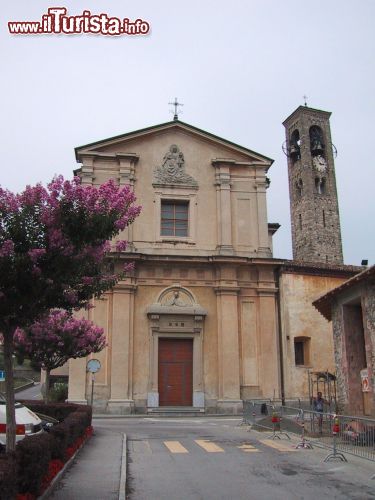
(93, 365)
(2, 376)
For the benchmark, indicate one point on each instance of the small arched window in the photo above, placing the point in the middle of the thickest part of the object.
(295, 146)
(316, 141)
(299, 188)
(320, 185)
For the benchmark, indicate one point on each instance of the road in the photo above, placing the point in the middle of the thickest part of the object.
(30, 393)
(216, 458)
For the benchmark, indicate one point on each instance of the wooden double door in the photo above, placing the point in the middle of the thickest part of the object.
(175, 372)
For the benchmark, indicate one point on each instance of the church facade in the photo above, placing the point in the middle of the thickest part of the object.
(206, 319)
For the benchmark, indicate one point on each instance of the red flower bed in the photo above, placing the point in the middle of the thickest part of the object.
(25, 496)
(54, 467)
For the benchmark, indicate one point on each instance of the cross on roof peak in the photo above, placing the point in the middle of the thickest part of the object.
(176, 111)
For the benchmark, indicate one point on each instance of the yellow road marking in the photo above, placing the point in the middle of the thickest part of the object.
(248, 448)
(175, 447)
(277, 445)
(209, 446)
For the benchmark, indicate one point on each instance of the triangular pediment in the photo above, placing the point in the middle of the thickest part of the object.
(122, 144)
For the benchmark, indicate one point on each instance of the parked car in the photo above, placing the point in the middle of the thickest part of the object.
(27, 423)
(47, 421)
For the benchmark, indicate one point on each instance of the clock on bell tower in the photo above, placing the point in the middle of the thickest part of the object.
(316, 233)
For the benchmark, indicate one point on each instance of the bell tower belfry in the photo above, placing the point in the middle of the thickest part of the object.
(316, 233)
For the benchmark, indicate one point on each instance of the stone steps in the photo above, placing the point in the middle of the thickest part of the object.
(176, 411)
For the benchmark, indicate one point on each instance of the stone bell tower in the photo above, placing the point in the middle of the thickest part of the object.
(316, 234)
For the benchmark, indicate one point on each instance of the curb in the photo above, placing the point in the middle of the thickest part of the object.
(24, 386)
(103, 416)
(122, 486)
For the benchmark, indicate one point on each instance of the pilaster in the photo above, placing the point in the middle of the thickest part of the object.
(264, 249)
(224, 209)
(228, 348)
(77, 372)
(269, 343)
(127, 177)
(121, 399)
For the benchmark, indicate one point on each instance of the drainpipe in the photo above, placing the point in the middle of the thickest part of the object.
(281, 364)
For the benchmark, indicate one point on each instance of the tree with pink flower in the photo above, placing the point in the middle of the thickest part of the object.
(56, 338)
(55, 253)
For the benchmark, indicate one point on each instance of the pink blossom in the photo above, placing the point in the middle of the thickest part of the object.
(36, 253)
(71, 296)
(128, 267)
(54, 339)
(121, 245)
(57, 337)
(87, 280)
(7, 249)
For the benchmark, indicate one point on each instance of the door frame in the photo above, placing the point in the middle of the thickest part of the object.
(176, 314)
(198, 390)
(179, 338)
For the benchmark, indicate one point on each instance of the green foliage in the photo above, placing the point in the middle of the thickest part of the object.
(58, 392)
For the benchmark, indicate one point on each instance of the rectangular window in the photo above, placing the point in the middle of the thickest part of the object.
(299, 353)
(174, 218)
(301, 350)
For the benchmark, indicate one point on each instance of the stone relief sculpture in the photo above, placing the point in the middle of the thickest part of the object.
(176, 300)
(172, 170)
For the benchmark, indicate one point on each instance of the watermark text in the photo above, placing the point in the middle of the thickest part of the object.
(56, 21)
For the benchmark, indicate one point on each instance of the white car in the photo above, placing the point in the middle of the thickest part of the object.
(27, 423)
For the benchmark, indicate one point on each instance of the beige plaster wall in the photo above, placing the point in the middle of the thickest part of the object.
(239, 336)
(246, 203)
(300, 319)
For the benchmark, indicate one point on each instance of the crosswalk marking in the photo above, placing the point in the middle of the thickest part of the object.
(175, 447)
(209, 446)
(248, 448)
(276, 445)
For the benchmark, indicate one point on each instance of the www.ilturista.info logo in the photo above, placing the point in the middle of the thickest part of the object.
(57, 22)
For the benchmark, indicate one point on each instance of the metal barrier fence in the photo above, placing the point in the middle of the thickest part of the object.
(345, 434)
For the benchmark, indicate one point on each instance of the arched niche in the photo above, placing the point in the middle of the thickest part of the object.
(295, 146)
(317, 146)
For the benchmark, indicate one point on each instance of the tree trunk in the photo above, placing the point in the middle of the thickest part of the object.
(46, 390)
(9, 392)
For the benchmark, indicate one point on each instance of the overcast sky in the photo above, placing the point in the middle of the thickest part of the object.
(240, 67)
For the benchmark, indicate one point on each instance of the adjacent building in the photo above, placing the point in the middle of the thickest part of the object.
(351, 308)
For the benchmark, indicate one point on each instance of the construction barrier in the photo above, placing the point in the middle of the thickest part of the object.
(335, 455)
(353, 435)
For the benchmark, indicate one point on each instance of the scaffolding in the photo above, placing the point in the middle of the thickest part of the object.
(324, 382)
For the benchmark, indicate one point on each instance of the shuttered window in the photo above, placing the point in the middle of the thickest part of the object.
(174, 218)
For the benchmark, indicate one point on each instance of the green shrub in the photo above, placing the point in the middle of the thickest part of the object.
(59, 411)
(8, 486)
(59, 392)
(33, 455)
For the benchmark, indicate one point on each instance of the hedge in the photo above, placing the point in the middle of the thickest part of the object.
(26, 473)
(59, 411)
(8, 467)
